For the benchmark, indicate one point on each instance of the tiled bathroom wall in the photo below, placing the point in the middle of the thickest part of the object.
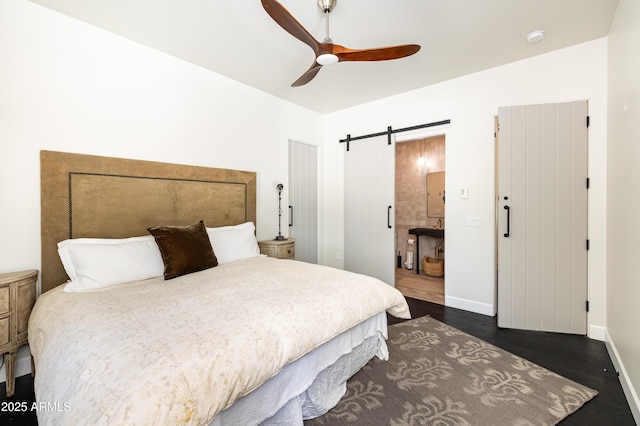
(411, 190)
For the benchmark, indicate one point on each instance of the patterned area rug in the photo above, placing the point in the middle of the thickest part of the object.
(439, 375)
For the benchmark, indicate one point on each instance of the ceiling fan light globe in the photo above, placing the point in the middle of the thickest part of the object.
(327, 59)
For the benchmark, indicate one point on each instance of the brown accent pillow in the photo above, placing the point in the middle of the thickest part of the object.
(184, 249)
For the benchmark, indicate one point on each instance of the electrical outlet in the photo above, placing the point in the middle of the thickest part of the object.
(473, 221)
(338, 255)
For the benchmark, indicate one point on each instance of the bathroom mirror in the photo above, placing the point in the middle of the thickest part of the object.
(435, 194)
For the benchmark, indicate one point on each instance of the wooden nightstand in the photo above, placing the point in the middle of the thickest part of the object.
(17, 296)
(284, 249)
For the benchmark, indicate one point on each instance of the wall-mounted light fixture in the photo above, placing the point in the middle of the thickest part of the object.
(423, 162)
(279, 187)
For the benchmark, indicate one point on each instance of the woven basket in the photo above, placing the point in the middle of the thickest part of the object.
(433, 267)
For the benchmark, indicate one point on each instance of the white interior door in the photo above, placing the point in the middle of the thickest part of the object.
(303, 200)
(369, 211)
(542, 217)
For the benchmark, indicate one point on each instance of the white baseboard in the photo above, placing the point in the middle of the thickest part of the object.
(23, 364)
(597, 333)
(627, 386)
(469, 305)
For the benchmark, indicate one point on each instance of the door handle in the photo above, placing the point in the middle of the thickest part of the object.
(389, 217)
(290, 215)
(508, 209)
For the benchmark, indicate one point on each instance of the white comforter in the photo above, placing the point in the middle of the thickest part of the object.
(179, 351)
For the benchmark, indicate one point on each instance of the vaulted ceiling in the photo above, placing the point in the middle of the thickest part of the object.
(236, 38)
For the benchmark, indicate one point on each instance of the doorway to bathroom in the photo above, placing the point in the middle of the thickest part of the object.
(420, 200)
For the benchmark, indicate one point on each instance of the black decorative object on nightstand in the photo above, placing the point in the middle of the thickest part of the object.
(280, 187)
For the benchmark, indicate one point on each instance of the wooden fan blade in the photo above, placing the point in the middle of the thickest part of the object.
(377, 54)
(308, 75)
(290, 24)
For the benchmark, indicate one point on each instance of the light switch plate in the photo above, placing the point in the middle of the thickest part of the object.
(473, 221)
(464, 193)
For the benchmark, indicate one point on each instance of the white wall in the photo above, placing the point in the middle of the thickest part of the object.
(471, 102)
(623, 202)
(68, 86)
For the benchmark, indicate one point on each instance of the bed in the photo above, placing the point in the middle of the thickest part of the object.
(131, 330)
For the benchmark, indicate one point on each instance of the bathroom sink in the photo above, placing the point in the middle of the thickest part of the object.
(435, 233)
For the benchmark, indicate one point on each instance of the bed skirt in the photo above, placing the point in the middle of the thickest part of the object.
(313, 384)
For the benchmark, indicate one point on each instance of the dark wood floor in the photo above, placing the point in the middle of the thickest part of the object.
(576, 357)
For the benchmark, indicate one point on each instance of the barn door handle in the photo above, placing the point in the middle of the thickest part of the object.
(389, 217)
(290, 215)
(508, 209)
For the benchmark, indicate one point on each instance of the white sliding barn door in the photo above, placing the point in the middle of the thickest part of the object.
(542, 217)
(303, 200)
(369, 212)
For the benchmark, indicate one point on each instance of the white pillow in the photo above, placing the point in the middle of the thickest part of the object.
(234, 242)
(94, 264)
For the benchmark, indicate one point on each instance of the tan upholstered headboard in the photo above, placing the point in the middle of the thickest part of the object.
(85, 196)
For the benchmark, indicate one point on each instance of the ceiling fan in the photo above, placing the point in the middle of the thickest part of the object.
(327, 52)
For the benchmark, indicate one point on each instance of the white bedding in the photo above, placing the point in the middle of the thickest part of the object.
(180, 351)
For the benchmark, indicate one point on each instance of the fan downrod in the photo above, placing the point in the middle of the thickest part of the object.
(327, 6)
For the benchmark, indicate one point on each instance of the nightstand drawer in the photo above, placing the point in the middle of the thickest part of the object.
(26, 298)
(271, 251)
(4, 299)
(5, 331)
(286, 251)
(280, 249)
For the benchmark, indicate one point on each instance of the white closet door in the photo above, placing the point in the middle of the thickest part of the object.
(542, 217)
(369, 211)
(303, 200)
